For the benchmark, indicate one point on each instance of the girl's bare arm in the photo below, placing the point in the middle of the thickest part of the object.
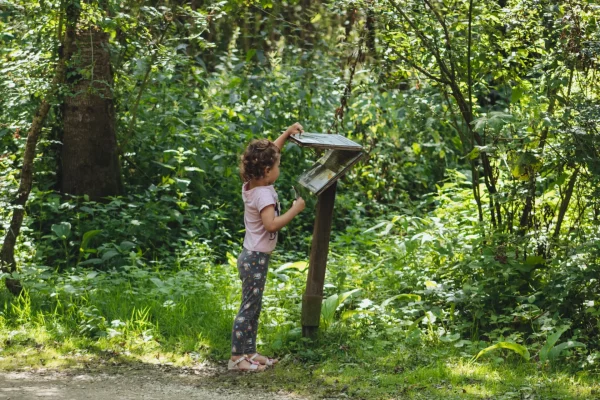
(291, 130)
(274, 223)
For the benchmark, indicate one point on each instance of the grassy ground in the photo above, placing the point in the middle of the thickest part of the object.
(442, 378)
(145, 317)
(397, 371)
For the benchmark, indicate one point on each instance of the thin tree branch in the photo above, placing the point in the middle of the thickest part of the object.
(469, 42)
(463, 138)
(141, 91)
(421, 69)
(446, 36)
(428, 44)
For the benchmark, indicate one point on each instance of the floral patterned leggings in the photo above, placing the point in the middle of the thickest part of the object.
(252, 267)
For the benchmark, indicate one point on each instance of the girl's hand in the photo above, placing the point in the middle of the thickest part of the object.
(294, 129)
(298, 205)
(291, 130)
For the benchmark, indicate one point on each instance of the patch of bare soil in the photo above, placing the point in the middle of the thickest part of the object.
(132, 383)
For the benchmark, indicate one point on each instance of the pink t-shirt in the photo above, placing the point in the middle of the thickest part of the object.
(255, 200)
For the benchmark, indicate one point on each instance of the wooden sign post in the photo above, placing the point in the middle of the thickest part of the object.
(313, 296)
(321, 180)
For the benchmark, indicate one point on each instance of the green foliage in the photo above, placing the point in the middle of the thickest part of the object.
(62, 230)
(412, 267)
(331, 304)
(517, 348)
(550, 351)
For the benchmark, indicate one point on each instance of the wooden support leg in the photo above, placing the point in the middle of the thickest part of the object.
(313, 296)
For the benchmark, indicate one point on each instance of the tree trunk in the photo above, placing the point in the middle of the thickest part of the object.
(564, 204)
(307, 32)
(89, 158)
(349, 22)
(7, 254)
(525, 220)
(371, 31)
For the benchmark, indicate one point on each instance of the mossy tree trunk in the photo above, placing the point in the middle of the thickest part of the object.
(89, 155)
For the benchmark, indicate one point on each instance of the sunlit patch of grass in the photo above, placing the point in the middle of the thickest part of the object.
(149, 320)
(429, 374)
(30, 347)
(35, 348)
(158, 317)
(339, 365)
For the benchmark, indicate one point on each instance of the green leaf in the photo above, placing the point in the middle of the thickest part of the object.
(109, 254)
(517, 348)
(473, 154)
(299, 265)
(494, 119)
(158, 282)
(416, 323)
(62, 230)
(91, 275)
(379, 225)
(87, 237)
(555, 352)
(193, 169)
(516, 94)
(294, 333)
(387, 229)
(231, 259)
(535, 260)
(165, 165)
(328, 309)
(331, 304)
(344, 296)
(551, 341)
(93, 261)
(126, 245)
(450, 338)
(416, 147)
(351, 313)
(403, 296)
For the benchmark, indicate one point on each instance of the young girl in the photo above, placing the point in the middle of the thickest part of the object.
(259, 169)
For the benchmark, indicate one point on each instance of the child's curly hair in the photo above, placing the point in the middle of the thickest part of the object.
(259, 155)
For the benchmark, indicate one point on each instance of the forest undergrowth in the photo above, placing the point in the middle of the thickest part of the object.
(457, 269)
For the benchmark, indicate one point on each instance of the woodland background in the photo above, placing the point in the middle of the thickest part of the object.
(465, 246)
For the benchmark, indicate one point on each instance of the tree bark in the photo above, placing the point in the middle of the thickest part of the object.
(349, 22)
(525, 220)
(564, 204)
(7, 254)
(89, 158)
(371, 32)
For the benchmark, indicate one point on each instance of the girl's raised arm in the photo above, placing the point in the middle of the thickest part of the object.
(291, 130)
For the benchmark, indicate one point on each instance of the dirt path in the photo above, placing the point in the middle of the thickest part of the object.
(145, 383)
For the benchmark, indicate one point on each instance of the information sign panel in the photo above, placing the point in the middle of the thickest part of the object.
(328, 169)
(325, 141)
